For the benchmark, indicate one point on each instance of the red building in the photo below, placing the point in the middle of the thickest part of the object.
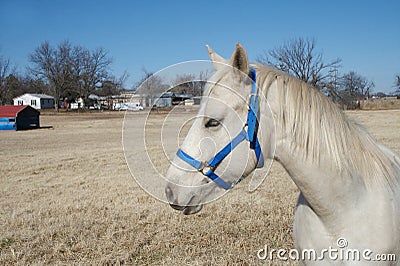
(18, 117)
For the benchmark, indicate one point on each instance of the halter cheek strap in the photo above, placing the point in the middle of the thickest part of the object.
(207, 168)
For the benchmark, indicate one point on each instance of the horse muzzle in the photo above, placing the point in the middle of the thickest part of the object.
(187, 209)
(190, 207)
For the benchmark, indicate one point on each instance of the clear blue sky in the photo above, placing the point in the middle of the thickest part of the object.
(155, 34)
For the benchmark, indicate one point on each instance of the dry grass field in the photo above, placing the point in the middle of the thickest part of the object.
(67, 198)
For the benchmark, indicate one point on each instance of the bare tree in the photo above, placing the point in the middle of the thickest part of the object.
(112, 86)
(94, 70)
(53, 65)
(70, 70)
(184, 83)
(356, 84)
(397, 85)
(150, 83)
(189, 83)
(29, 84)
(202, 81)
(89, 68)
(12, 84)
(152, 86)
(120, 81)
(77, 62)
(5, 67)
(5, 71)
(300, 58)
(354, 87)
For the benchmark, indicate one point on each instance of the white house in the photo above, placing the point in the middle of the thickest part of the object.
(37, 101)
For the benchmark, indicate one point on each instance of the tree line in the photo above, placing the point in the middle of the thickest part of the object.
(300, 58)
(64, 71)
(69, 71)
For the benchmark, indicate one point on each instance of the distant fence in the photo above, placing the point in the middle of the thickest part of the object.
(380, 103)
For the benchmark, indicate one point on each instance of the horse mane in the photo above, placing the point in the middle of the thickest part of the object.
(317, 126)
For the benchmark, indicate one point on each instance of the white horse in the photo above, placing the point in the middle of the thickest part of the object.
(350, 185)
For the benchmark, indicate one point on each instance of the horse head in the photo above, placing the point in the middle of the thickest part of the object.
(222, 146)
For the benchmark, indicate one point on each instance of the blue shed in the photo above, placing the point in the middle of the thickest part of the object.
(18, 117)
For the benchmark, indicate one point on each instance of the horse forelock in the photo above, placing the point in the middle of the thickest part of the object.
(225, 88)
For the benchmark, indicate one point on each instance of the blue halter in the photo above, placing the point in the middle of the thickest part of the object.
(207, 168)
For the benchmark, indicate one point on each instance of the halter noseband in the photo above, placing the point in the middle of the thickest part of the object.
(207, 168)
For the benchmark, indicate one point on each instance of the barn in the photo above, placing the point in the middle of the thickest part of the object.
(18, 117)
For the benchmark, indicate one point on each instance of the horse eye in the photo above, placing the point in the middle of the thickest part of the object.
(212, 123)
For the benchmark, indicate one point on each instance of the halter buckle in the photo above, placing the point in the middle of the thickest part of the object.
(205, 168)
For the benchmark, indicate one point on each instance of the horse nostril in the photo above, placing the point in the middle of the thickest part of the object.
(171, 200)
(169, 194)
(177, 207)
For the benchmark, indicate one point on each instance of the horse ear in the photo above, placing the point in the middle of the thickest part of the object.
(217, 60)
(239, 59)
